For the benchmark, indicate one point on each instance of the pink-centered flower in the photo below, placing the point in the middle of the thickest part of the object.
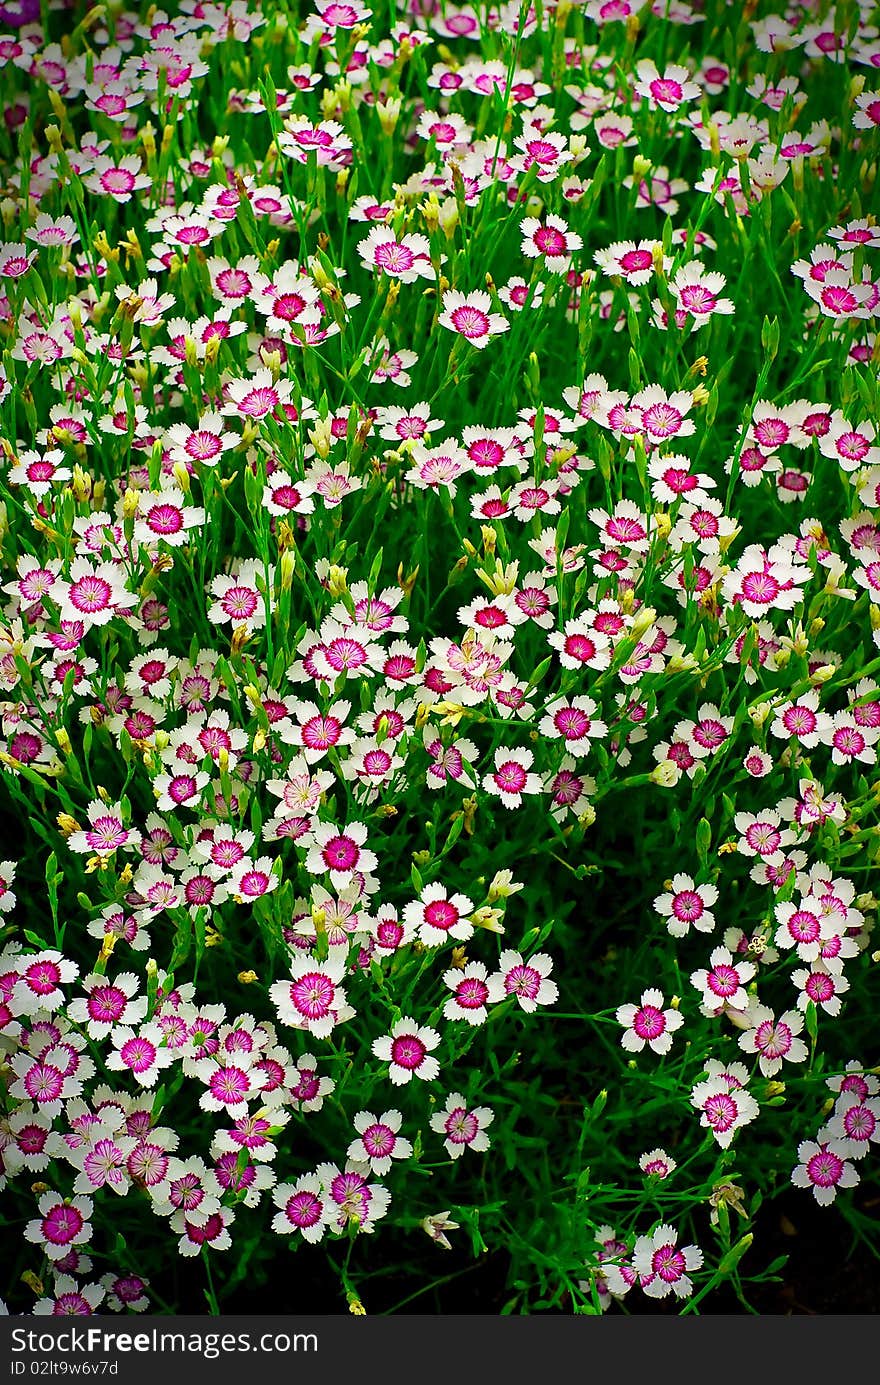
(463, 1125)
(663, 1266)
(648, 1023)
(407, 1048)
(471, 316)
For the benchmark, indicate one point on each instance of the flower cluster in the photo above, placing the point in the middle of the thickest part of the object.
(440, 518)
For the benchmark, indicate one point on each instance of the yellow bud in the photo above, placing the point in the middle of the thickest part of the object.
(240, 637)
(450, 713)
(665, 774)
(181, 476)
(430, 210)
(408, 582)
(288, 568)
(67, 824)
(321, 437)
(725, 540)
(643, 621)
(502, 886)
(389, 114)
(81, 484)
(469, 808)
(247, 978)
(759, 713)
(337, 580)
(253, 695)
(449, 217)
(488, 918)
(33, 1281)
(823, 673)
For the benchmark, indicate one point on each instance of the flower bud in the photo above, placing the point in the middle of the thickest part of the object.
(665, 774)
(181, 476)
(823, 673)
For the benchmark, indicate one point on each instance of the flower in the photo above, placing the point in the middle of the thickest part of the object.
(408, 1048)
(439, 916)
(774, 1040)
(108, 1004)
(687, 905)
(512, 776)
(38, 984)
(648, 1023)
(201, 1229)
(405, 259)
(856, 1122)
(304, 1207)
(165, 515)
(62, 1224)
(379, 1141)
(669, 91)
(722, 986)
(436, 1225)
(630, 260)
(824, 1168)
(820, 987)
(696, 290)
(473, 990)
(338, 852)
(549, 241)
(529, 982)
(723, 1107)
(663, 1266)
(574, 721)
(471, 317)
(7, 896)
(118, 181)
(242, 598)
(141, 1053)
(656, 1163)
(313, 999)
(94, 593)
(105, 833)
(351, 1199)
(70, 1299)
(463, 1125)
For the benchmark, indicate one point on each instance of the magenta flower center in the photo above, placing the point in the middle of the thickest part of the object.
(408, 1051)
